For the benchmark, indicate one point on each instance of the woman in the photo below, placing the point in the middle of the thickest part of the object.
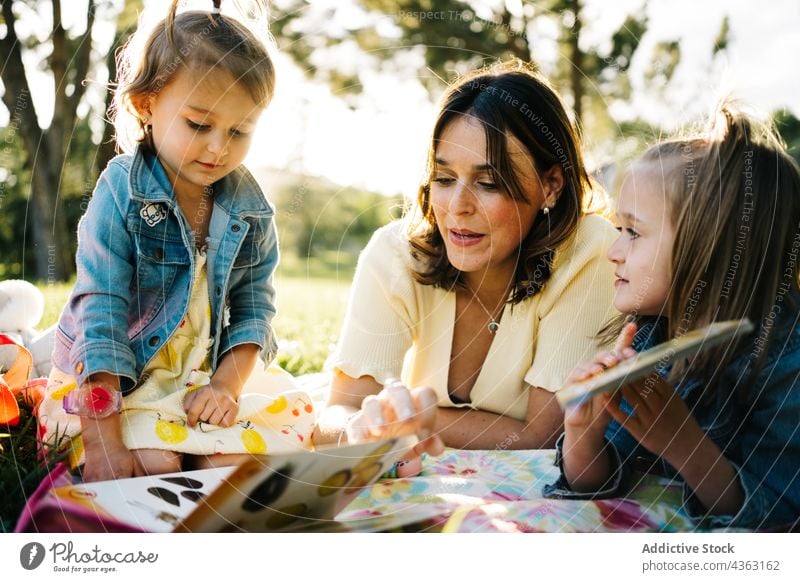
(491, 289)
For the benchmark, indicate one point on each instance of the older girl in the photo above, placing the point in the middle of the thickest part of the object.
(709, 231)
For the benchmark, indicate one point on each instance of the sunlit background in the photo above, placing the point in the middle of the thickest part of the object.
(345, 137)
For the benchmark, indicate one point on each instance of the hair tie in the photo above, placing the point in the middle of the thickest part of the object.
(215, 9)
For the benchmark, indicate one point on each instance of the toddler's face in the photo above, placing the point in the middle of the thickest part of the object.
(202, 128)
(643, 251)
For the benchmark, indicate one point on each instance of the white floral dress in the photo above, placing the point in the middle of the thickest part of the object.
(274, 417)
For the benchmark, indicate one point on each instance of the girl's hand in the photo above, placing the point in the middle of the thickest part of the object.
(106, 461)
(591, 416)
(660, 421)
(396, 411)
(212, 405)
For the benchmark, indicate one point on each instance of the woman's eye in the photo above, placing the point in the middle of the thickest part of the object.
(488, 185)
(238, 133)
(197, 126)
(444, 180)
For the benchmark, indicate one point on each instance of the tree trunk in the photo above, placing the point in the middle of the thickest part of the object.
(50, 242)
(46, 149)
(576, 71)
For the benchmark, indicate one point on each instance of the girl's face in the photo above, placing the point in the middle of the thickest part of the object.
(643, 251)
(202, 128)
(482, 226)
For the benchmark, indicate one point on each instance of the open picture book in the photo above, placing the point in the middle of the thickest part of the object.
(648, 361)
(301, 491)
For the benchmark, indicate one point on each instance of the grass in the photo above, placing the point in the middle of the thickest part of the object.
(310, 313)
(311, 303)
(21, 471)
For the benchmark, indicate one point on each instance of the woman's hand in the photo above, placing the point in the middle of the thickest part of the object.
(211, 404)
(397, 411)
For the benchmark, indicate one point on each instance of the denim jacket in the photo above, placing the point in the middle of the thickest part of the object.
(135, 265)
(756, 424)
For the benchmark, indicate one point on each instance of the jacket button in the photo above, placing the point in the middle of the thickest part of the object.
(154, 341)
(219, 291)
(79, 367)
(236, 228)
(159, 253)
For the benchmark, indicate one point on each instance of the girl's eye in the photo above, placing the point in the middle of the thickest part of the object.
(238, 133)
(443, 180)
(197, 126)
(488, 185)
(629, 231)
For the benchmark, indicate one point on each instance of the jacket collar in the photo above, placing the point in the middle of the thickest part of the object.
(238, 192)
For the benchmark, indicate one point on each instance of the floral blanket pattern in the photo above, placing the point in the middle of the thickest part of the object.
(501, 491)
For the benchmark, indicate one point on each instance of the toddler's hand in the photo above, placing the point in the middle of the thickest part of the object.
(212, 405)
(106, 461)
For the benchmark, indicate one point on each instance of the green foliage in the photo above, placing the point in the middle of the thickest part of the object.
(17, 256)
(789, 127)
(311, 300)
(21, 469)
(316, 217)
(310, 313)
(723, 36)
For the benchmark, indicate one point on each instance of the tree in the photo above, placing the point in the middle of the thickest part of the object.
(126, 25)
(454, 36)
(46, 146)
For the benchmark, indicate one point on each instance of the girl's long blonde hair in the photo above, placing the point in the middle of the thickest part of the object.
(733, 195)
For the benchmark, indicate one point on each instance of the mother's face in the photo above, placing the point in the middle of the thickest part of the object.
(481, 224)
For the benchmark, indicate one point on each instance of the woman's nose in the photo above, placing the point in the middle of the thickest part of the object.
(462, 201)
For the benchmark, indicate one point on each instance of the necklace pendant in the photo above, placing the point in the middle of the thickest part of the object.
(493, 327)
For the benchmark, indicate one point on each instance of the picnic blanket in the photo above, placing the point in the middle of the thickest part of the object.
(501, 491)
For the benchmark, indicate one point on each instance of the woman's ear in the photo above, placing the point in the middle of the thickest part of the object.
(553, 183)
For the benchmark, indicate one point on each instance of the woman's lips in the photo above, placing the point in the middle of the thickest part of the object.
(464, 238)
(619, 281)
(209, 166)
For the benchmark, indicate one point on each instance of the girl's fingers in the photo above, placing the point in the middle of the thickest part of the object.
(623, 418)
(228, 418)
(215, 417)
(625, 339)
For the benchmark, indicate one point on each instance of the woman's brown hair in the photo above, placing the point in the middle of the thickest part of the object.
(508, 100)
(197, 41)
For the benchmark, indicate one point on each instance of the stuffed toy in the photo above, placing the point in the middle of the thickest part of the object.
(21, 310)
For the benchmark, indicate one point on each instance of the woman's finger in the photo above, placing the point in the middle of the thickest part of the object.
(373, 419)
(401, 401)
(426, 405)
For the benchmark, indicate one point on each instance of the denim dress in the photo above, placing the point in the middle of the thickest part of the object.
(754, 421)
(152, 310)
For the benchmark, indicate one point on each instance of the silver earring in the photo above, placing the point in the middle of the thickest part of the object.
(546, 210)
